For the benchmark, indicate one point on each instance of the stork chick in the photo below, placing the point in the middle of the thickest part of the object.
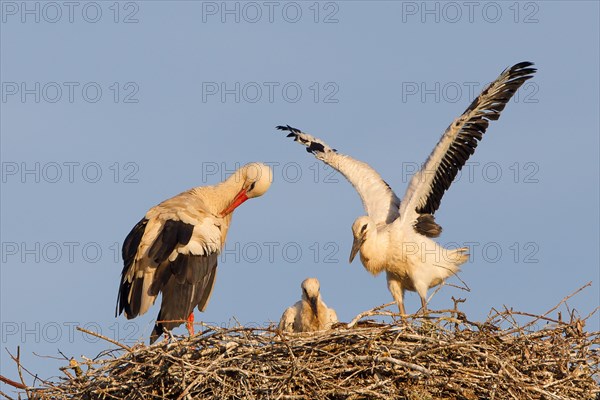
(309, 314)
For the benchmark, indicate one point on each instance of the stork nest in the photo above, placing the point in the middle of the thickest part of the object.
(440, 355)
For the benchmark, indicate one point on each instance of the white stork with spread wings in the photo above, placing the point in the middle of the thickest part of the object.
(395, 236)
(174, 248)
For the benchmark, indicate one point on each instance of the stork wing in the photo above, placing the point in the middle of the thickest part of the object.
(185, 283)
(173, 250)
(332, 317)
(427, 187)
(379, 200)
(286, 323)
(129, 250)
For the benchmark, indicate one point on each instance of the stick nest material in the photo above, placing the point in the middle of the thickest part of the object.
(440, 355)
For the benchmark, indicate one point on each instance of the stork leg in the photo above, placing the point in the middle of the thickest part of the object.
(423, 309)
(397, 291)
(422, 291)
(190, 324)
(401, 308)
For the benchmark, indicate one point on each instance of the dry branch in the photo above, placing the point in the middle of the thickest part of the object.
(439, 355)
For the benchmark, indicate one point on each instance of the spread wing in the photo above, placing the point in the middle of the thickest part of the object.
(173, 250)
(427, 187)
(379, 200)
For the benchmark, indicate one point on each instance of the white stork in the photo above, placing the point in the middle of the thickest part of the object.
(309, 314)
(395, 236)
(174, 248)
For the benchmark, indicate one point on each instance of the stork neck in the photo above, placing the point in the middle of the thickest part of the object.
(228, 189)
(373, 251)
(322, 310)
(219, 197)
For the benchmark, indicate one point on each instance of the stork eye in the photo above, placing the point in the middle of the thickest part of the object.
(251, 186)
(363, 229)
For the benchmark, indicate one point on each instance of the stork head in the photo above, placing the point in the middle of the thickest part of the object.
(310, 292)
(361, 228)
(255, 178)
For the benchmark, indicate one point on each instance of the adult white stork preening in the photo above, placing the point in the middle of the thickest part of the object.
(309, 314)
(174, 248)
(395, 236)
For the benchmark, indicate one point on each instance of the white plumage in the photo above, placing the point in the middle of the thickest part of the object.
(309, 314)
(395, 236)
(174, 248)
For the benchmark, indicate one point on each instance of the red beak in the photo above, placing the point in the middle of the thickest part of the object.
(239, 199)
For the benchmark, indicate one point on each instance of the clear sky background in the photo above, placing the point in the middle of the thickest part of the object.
(109, 108)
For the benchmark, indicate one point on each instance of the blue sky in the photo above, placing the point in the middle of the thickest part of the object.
(109, 108)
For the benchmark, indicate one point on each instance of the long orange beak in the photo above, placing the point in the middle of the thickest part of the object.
(239, 199)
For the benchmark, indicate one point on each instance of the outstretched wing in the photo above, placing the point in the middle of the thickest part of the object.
(379, 200)
(427, 187)
(173, 250)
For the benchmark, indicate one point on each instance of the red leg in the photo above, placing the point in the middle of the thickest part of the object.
(190, 324)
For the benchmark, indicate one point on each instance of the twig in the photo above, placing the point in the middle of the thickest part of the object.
(436, 355)
(12, 383)
(368, 313)
(594, 311)
(19, 368)
(553, 308)
(121, 345)
(406, 365)
(5, 395)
